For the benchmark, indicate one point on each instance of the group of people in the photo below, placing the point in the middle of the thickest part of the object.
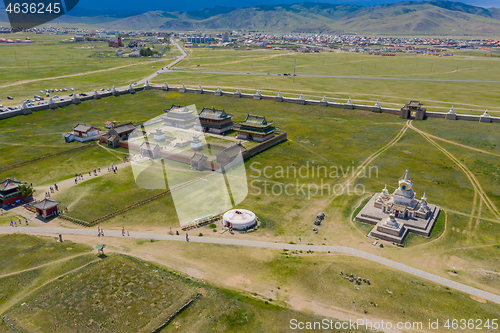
(123, 232)
(14, 223)
(96, 171)
(113, 168)
(51, 190)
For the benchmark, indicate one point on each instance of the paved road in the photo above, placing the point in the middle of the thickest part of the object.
(240, 242)
(184, 54)
(355, 77)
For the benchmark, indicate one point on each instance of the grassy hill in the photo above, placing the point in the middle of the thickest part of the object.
(404, 18)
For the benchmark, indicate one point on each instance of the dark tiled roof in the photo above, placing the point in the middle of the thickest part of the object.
(179, 109)
(255, 124)
(128, 127)
(214, 114)
(83, 127)
(198, 157)
(256, 121)
(46, 204)
(230, 153)
(9, 184)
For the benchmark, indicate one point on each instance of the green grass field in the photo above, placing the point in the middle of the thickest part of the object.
(121, 293)
(49, 57)
(473, 97)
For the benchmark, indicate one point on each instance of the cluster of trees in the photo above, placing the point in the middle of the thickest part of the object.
(147, 52)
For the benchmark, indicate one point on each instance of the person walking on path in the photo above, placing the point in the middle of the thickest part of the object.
(187, 237)
(128, 234)
(11, 224)
(123, 231)
(26, 220)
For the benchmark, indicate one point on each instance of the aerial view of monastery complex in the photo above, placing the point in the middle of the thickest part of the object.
(310, 167)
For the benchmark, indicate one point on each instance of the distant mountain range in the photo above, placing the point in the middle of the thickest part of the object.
(404, 18)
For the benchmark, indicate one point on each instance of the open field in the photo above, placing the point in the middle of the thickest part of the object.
(310, 130)
(361, 72)
(310, 281)
(91, 199)
(25, 69)
(455, 166)
(121, 293)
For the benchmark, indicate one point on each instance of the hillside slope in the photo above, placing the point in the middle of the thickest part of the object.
(404, 18)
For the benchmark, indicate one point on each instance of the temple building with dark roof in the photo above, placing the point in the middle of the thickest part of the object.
(255, 128)
(180, 116)
(9, 191)
(214, 121)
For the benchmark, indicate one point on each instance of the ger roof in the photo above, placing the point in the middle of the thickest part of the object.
(46, 204)
(9, 184)
(213, 113)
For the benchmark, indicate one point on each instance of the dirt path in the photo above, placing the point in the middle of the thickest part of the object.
(461, 145)
(80, 74)
(359, 170)
(270, 245)
(44, 265)
(24, 294)
(475, 183)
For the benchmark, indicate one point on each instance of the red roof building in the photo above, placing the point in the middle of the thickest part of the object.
(9, 191)
(46, 207)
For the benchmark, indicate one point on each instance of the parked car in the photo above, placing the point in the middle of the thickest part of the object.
(65, 89)
(10, 97)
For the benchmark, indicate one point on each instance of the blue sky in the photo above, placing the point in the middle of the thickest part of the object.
(146, 5)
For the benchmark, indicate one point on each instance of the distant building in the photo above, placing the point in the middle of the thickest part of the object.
(82, 133)
(230, 154)
(214, 121)
(46, 207)
(396, 214)
(117, 133)
(179, 116)
(225, 38)
(85, 131)
(151, 150)
(198, 161)
(255, 128)
(413, 110)
(116, 42)
(9, 191)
